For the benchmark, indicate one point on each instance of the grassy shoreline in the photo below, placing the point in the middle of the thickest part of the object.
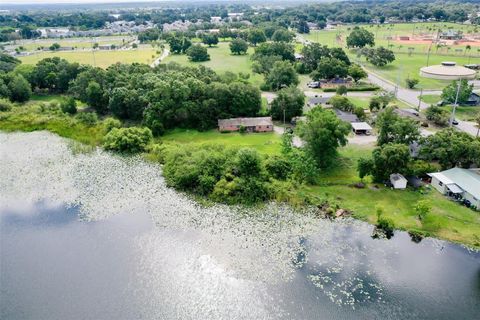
(448, 220)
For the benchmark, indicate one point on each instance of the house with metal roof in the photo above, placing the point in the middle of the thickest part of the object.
(460, 184)
(259, 124)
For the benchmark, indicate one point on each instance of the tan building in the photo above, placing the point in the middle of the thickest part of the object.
(447, 71)
(260, 124)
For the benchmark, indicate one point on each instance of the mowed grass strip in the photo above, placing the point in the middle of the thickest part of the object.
(266, 143)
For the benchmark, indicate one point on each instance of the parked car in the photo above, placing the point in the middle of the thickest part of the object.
(454, 122)
(314, 84)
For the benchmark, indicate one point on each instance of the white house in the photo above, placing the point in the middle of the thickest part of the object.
(460, 184)
(398, 181)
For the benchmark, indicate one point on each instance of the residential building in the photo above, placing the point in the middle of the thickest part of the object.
(459, 184)
(361, 128)
(259, 124)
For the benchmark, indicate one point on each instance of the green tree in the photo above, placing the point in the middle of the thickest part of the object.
(95, 97)
(19, 89)
(323, 133)
(359, 38)
(126, 103)
(449, 93)
(198, 53)
(395, 129)
(364, 167)
(330, 68)
(356, 72)
(451, 148)
(289, 103)
(256, 36)
(54, 47)
(379, 56)
(422, 209)
(282, 35)
(282, 75)
(302, 27)
(129, 140)
(341, 103)
(210, 39)
(238, 46)
(390, 158)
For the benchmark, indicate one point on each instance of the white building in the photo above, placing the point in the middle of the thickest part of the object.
(460, 184)
(398, 181)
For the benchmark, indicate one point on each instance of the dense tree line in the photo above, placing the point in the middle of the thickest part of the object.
(166, 97)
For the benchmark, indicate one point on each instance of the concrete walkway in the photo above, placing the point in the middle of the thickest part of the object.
(157, 61)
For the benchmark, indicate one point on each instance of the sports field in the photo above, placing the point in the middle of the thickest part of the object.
(100, 59)
(410, 55)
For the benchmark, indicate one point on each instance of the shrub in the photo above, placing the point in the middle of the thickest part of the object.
(278, 167)
(411, 83)
(69, 105)
(110, 123)
(88, 118)
(130, 140)
(437, 115)
(5, 105)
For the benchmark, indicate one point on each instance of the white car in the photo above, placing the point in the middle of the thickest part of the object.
(313, 84)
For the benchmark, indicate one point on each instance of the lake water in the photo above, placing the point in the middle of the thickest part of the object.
(96, 236)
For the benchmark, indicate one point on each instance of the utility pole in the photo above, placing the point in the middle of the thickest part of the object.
(452, 118)
(284, 115)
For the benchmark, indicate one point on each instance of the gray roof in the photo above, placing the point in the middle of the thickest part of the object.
(347, 116)
(361, 126)
(396, 177)
(318, 100)
(467, 179)
(247, 122)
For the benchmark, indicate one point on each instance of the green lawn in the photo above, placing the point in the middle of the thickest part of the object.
(448, 220)
(465, 113)
(359, 101)
(431, 98)
(101, 59)
(221, 60)
(266, 143)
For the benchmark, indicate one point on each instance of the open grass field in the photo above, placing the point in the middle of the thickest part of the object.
(265, 143)
(101, 59)
(406, 65)
(221, 60)
(78, 43)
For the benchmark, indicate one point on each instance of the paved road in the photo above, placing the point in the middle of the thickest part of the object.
(411, 97)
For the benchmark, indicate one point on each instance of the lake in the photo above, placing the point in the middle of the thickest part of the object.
(98, 236)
